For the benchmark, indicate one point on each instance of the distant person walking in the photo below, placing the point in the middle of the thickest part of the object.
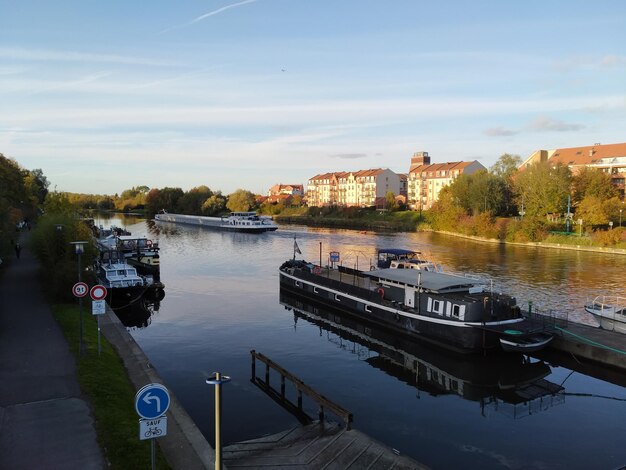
(18, 249)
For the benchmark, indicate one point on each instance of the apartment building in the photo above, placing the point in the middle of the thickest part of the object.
(610, 158)
(358, 188)
(286, 189)
(426, 179)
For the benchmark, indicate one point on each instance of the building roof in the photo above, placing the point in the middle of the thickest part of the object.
(434, 167)
(587, 155)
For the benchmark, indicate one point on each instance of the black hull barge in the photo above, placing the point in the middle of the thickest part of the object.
(457, 312)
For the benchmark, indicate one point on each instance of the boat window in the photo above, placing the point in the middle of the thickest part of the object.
(458, 311)
(297, 283)
(438, 307)
(337, 298)
(368, 308)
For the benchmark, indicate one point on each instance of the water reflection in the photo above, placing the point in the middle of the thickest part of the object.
(508, 383)
(138, 314)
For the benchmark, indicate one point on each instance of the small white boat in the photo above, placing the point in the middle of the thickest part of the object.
(609, 311)
(525, 344)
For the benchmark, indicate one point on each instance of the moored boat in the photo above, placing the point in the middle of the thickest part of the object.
(140, 252)
(249, 222)
(609, 311)
(124, 285)
(454, 311)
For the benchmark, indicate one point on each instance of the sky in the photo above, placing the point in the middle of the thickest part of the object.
(104, 96)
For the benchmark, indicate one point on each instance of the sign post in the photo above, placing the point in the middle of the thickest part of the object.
(98, 306)
(151, 403)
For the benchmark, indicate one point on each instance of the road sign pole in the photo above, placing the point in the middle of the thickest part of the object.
(81, 344)
(99, 349)
(152, 454)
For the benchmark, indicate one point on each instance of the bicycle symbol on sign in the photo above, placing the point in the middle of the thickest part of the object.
(152, 432)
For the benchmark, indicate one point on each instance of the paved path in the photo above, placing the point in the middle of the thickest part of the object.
(45, 422)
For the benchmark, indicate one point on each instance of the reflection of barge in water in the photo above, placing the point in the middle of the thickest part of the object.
(454, 311)
(491, 380)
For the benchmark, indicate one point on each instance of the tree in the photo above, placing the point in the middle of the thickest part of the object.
(592, 182)
(191, 202)
(480, 192)
(166, 198)
(214, 205)
(390, 201)
(543, 188)
(506, 166)
(241, 201)
(593, 211)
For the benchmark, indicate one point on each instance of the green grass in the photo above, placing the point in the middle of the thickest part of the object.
(112, 396)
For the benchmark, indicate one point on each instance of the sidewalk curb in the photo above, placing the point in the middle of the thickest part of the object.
(184, 446)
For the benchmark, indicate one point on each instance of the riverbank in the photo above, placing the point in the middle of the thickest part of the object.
(560, 246)
(387, 223)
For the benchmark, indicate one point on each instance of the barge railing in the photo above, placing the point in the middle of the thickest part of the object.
(301, 388)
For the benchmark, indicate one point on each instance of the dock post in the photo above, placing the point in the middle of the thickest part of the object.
(300, 399)
(267, 374)
(252, 354)
(282, 386)
(218, 379)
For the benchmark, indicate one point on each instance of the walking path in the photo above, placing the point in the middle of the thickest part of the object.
(45, 422)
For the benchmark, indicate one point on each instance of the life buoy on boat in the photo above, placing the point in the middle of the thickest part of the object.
(372, 268)
(317, 270)
(381, 292)
(148, 243)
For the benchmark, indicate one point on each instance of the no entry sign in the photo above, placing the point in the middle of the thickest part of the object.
(98, 292)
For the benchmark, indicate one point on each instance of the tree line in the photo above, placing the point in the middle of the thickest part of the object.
(22, 192)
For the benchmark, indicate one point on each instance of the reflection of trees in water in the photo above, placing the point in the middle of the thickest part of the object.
(138, 314)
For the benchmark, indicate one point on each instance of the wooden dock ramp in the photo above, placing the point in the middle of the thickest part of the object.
(320, 445)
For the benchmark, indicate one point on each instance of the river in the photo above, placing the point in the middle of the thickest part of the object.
(222, 300)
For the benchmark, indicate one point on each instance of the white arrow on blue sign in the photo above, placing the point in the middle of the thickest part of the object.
(152, 401)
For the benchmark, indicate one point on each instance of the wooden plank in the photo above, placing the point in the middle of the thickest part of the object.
(316, 446)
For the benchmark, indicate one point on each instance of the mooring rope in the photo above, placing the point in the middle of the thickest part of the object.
(600, 345)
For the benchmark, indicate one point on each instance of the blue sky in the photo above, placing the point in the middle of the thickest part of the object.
(103, 96)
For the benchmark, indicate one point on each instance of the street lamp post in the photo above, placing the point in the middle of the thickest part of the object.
(79, 249)
(620, 217)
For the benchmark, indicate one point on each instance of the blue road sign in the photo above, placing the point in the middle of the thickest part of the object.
(152, 401)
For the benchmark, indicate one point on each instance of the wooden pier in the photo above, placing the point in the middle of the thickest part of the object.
(320, 445)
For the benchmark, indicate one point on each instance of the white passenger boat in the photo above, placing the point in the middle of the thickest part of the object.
(609, 311)
(249, 222)
(124, 285)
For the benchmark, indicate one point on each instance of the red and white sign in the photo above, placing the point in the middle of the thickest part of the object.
(80, 289)
(98, 292)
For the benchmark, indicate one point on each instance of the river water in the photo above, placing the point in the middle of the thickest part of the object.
(222, 300)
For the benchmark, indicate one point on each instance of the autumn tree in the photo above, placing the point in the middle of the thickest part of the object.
(543, 189)
(241, 201)
(592, 182)
(191, 202)
(214, 205)
(479, 192)
(506, 166)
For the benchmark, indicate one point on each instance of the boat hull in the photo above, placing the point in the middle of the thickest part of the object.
(219, 223)
(367, 306)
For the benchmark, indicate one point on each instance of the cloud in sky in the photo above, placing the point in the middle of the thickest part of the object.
(19, 53)
(84, 93)
(548, 124)
(349, 156)
(499, 132)
(220, 10)
(207, 15)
